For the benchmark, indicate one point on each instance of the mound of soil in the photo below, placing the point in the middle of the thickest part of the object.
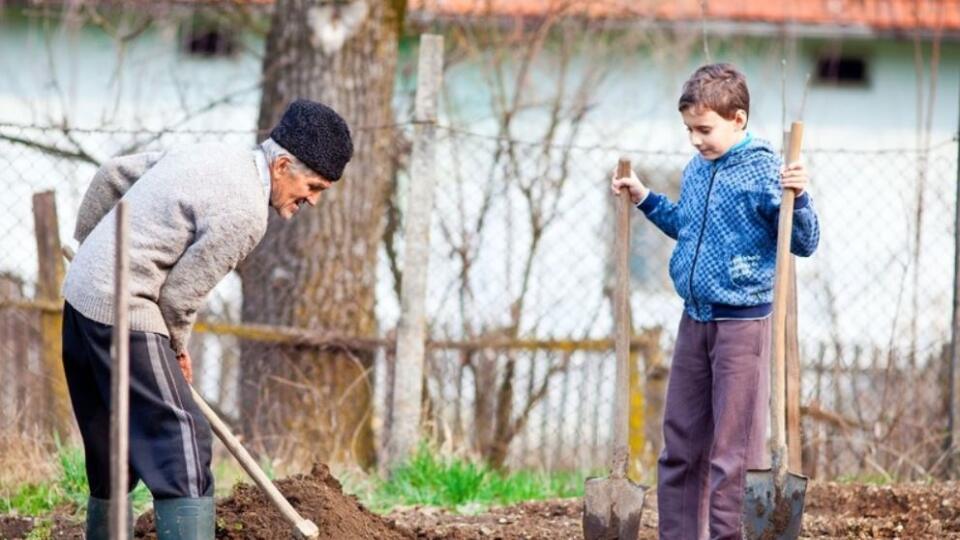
(318, 496)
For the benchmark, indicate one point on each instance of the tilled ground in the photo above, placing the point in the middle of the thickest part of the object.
(905, 511)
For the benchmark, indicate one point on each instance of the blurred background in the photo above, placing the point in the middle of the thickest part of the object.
(538, 99)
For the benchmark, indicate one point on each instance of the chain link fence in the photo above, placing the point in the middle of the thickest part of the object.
(520, 364)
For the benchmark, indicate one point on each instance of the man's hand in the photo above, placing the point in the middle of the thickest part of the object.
(638, 191)
(186, 366)
(794, 177)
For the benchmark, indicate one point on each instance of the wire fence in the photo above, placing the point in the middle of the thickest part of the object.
(520, 364)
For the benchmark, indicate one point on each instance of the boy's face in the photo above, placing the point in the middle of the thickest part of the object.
(711, 134)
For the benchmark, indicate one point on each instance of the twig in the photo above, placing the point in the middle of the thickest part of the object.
(79, 154)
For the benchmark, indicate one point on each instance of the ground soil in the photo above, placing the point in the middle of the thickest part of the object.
(318, 496)
(905, 511)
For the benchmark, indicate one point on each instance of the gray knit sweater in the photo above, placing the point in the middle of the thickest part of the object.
(195, 213)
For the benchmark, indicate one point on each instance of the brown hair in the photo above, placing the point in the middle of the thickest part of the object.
(721, 88)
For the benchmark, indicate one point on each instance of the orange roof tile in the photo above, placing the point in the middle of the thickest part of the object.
(873, 14)
(878, 15)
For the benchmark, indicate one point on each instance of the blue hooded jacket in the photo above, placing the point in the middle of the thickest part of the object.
(725, 225)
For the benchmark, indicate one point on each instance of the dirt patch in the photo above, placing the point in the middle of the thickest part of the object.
(833, 511)
(902, 511)
(15, 527)
(547, 519)
(58, 527)
(318, 496)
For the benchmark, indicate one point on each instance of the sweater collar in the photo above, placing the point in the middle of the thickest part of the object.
(735, 149)
(261, 160)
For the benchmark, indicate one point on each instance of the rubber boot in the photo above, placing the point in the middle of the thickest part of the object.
(98, 519)
(184, 518)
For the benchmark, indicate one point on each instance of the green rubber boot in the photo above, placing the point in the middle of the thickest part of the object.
(98, 519)
(184, 518)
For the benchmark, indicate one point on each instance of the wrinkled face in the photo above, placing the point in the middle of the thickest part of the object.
(290, 188)
(711, 134)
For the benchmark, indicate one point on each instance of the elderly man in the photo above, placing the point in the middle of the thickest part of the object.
(195, 213)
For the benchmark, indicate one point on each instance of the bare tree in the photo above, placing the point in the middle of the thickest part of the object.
(318, 271)
(530, 67)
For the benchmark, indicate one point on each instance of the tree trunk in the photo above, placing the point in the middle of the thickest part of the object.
(318, 271)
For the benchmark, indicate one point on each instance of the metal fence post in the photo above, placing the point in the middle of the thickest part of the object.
(120, 382)
(405, 407)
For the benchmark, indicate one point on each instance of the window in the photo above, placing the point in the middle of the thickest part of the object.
(205, 38)
(842, 70)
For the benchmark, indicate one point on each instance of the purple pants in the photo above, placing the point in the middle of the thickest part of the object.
(714, 426)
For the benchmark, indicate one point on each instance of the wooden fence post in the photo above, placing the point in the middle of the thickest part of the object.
(655, 388)
(15, 344)
(49, 281)
(408, 382)
(637, 434)
(953, 440)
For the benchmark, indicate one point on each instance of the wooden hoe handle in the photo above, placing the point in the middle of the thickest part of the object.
(304, 527)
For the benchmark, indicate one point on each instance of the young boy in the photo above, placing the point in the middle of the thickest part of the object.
(725, 225)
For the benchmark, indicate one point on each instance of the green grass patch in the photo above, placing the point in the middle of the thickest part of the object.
(463, 485)
(67, 490)
(882, 479)
(428, 479)
(874, 479)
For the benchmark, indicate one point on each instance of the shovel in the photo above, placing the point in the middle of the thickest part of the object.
(612, 506)
(773, 503)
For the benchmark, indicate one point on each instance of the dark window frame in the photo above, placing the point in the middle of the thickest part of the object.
(842, 69)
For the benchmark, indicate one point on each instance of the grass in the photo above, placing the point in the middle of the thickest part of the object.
(461, 485)
(64, 486)
(881, 479)
(66, 490)
(427, 479)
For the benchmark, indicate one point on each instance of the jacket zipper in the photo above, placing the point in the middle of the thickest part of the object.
(703, 228)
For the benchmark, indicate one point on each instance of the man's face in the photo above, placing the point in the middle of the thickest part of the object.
(289, 189)
(711, 134)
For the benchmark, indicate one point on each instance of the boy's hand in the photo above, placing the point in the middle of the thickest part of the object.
(186, 366)
(794, 177)
(638, 191)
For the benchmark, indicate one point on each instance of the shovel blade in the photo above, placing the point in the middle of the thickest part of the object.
(769, 513)
(612, 508)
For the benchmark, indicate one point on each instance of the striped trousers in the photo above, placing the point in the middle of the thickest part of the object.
(170, 440)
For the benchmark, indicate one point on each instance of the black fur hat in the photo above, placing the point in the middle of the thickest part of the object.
(317, 136)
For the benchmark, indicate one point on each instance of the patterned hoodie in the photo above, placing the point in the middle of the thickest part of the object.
(725, 225)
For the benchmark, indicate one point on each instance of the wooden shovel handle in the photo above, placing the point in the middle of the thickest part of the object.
(781, 291)
(622, 327)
